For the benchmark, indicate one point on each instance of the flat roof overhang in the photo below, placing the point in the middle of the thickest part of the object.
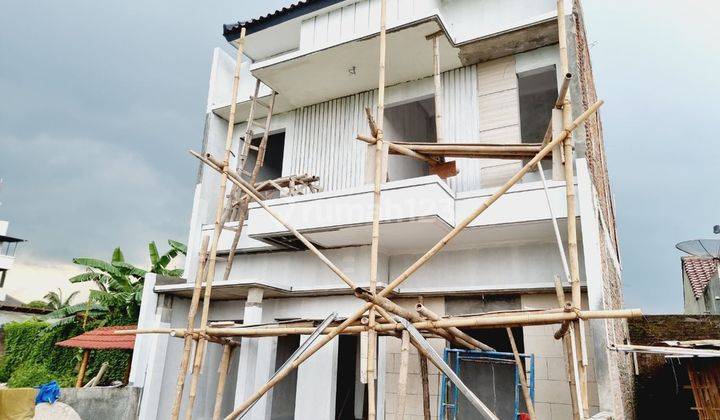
(303, 79)
(315, 77)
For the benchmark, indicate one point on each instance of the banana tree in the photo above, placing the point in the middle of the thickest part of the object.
(119, 283)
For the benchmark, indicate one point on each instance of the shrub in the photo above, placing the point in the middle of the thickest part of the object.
(29, 375)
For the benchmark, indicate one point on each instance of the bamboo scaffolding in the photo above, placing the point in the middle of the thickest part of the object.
(521, 374)
(375, 238)
(470, 322)
(377, 302)
(202, 343)
(427, 313)
(187, 345)
(434, 250)
(571, 211)
(570, 360)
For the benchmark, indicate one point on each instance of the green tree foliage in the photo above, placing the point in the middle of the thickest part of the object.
(31, 356)
(55, 300)
(120, 283)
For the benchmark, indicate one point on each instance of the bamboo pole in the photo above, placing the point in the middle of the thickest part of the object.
(437, 81)
(570, 364)
(563, 90)
(402, 150)
(515, 320)
(571, 210)
(419, 263)
(83, 368)
(427, 313)
(187, 345)
(471, 322)
(222, 378)
(375, 240)
(521, 373)
(200, 348)
(425, 386)
(403, 375)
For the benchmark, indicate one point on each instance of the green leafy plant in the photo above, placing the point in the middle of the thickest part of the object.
(29, 375)
(55, 300)
(120, 283)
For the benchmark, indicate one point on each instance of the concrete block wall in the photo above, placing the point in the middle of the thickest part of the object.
(414, 404)
(552, 392)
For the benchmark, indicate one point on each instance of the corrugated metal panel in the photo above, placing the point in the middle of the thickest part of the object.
(323, 141)
(461, 121)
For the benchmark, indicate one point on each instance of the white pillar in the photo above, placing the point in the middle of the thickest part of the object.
(248, 360)
(148, 361)
(316, 384)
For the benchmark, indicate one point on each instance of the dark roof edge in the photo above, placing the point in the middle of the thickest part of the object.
(231, 31)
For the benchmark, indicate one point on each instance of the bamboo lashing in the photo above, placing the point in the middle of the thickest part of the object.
(201, 344)
(187, 345)
(521, 374)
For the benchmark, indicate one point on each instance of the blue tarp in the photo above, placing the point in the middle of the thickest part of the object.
(48, 393)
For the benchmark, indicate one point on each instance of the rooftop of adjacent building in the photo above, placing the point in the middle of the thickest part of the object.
(699, 272)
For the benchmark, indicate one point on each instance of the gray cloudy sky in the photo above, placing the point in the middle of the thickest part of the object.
(100, 101)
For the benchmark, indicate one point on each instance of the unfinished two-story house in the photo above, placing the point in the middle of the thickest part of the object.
(499, 77)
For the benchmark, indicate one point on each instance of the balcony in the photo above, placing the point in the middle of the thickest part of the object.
(415, 214)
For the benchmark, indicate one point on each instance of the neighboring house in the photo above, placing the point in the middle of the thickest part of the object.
(500, 78)
(8, 246)
(701, 286)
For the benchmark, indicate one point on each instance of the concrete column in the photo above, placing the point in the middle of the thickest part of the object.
(316, 384)
(148, 362)
(597, 342)
(248, 360)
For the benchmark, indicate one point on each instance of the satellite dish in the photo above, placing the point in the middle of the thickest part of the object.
(709, 248)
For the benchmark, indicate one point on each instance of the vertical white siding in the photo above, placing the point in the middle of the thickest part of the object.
(461, 121)
(323, 141)
(357, 20)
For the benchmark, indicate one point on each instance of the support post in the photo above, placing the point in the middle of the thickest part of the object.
(375, 240)
(222, 378)
(521, 375)
(437, 79)
(570, 359)
(83, 368)
(187, 345)
(425, 386)
(403, 375)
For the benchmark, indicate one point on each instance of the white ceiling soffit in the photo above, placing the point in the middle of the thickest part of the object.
(326, 74)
